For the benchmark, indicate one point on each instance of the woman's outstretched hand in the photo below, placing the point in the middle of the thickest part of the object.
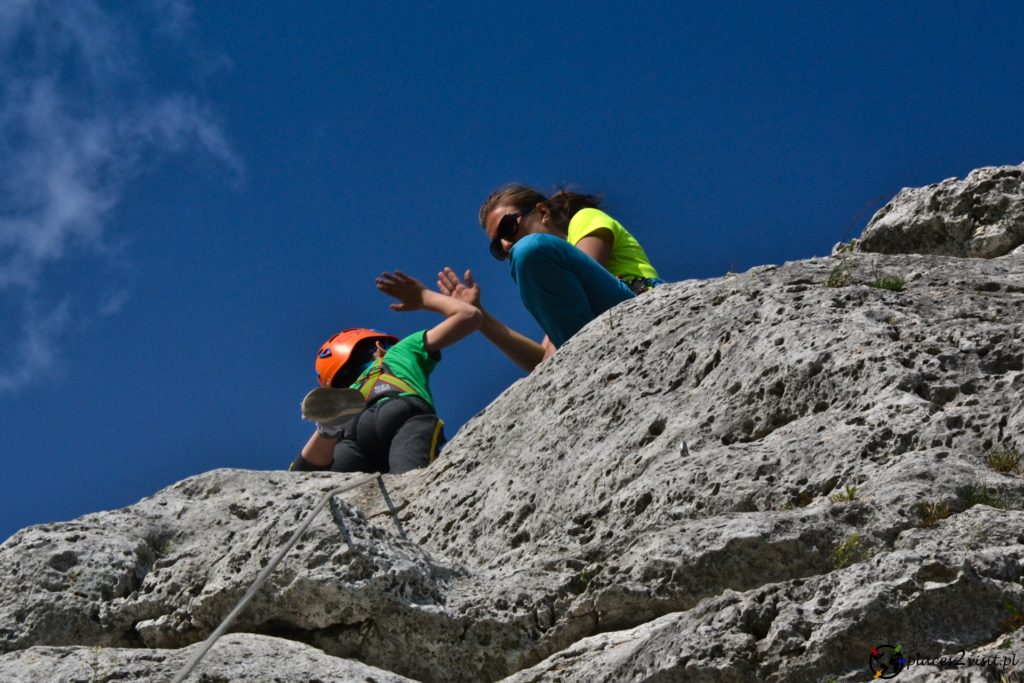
(449, 283)
(408, 290)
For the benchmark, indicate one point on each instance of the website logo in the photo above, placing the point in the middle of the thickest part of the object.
(886, 661)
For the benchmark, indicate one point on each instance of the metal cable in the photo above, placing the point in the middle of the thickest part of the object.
(391, 508)
(339, 520)
(262, 578)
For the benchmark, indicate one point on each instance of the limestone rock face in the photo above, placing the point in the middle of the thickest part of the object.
(756, 477)
(981, 216)
(924, 589)
(165, 572)
(239, 658)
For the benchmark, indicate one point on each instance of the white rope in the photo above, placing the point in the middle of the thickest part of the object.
(262, 578)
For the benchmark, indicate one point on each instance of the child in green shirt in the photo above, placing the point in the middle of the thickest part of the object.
(398, 430)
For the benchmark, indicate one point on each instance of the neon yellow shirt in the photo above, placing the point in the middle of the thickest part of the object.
(627, 258)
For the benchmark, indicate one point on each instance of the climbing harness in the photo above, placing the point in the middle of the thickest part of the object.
(639, 285)
(380, 382)
(336, 512)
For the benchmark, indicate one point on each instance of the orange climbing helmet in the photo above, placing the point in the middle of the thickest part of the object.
(337, 351)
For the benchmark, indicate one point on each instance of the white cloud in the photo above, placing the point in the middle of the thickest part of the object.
(114, 302)
(74, 132)
(176, 16)
(33, 355)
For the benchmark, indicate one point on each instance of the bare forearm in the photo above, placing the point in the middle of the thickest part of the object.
(446, 305)
(521, 350)
(461, 320)
(319, 450)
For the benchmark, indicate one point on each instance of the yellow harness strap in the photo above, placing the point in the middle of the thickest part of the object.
(378, 381)
(435, 438)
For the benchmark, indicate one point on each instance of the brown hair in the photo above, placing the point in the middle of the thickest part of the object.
(563, 204)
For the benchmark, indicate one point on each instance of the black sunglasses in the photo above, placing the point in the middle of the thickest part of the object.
(507, 228)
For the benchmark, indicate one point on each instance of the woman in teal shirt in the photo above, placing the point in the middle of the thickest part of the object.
(570, 261)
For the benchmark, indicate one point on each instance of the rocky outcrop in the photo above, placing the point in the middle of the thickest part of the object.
(164, 572)
(925, 588)
(981, 216)
(756, 477)
(239, 658)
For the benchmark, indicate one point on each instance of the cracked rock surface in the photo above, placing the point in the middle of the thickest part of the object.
(981, 216)
(755, 477)
(933, 587)
(238, 658)
(164, 572)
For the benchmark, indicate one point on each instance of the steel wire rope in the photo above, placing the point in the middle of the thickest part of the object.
(262, 578)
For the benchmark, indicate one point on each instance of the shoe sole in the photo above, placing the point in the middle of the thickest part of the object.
(325, 404)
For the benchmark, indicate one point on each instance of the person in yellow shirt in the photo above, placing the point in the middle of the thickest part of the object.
(570, 261)
(605, 240)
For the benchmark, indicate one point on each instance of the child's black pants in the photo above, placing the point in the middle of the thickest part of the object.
(393, 435)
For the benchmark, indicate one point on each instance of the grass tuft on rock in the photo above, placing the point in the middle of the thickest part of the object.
(1003, 460)
(1014, 619)
(847, 495)
(849, 551)
(978, 493)
(932, 512)
(801, 500)
(893, 283)
(839, 277)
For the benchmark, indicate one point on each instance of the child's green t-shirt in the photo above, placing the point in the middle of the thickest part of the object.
(409, 361)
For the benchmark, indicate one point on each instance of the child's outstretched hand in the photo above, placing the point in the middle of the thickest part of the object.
(408, 290)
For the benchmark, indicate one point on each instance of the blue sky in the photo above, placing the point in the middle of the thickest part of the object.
(194, 197)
